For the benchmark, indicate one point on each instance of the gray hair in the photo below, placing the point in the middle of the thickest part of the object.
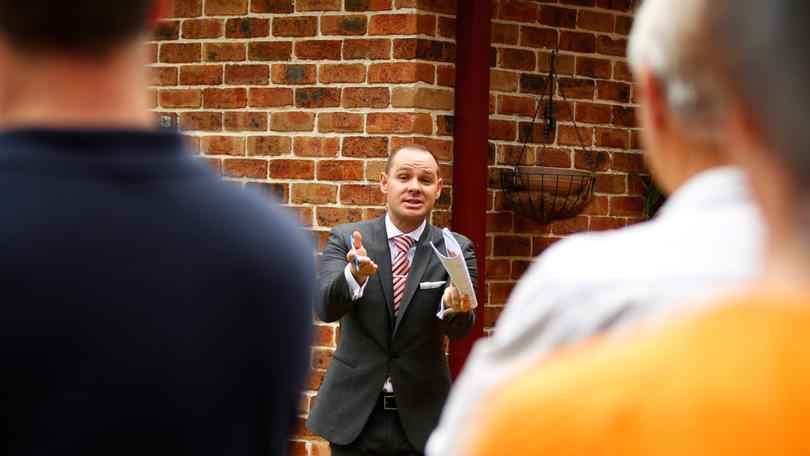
(669, 37)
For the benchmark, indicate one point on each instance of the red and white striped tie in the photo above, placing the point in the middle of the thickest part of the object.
(400, 268)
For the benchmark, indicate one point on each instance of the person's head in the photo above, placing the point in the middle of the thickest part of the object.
(89, 28)
(762, 60)
(411, 184)
(680, 106)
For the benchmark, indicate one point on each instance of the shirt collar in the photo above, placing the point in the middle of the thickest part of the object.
(707, 190)
(392, 231)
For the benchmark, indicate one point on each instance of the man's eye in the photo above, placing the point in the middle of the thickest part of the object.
(403, 177)
(427, 181)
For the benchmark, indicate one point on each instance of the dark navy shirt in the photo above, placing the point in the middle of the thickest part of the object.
(146, 307)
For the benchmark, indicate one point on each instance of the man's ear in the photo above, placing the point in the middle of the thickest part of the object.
(438, 188)
(653, 99)
(383, 182)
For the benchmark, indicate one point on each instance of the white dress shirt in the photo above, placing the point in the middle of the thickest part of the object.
(709, 234)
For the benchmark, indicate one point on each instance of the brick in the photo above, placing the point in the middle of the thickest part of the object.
(498, 222)
(316, 146)
(245, 121)
(621, 71)
(366, 97)
(314, 194)
(512, 246)
(627, 162)
(626, 206)
(224, 98)
(292, 121)
(272, 6)
(367, 5)
(223, 145)
(599, 205)
(446, 75)
(374, 169)
(564, 63)
(624, 116)
(437, 6)
(270, 50)
(340, 170)
(225, 7)
(179, 98)
(201, 74)
(593, 113)
(615, 91)
(522, 11)
(329, 122)
(400, 73)
(424, 49)
(224, 52)
(247, 28)
(520, 106)
(401, 24)
(361, 195)
(293, 74)
(422, 97)
(504, 130)
(372, 49)
(606, 223)
(344, 25)
(598, 22)
(538, 37)
(569, 226)
(247, 74)
(185, 8)
(201, 121)
(570, 136)
(244, 167)
(504, 33)
(612, 137)
(445, 125)
(624, 24)
(534, 133)
(292, 169)
(203, 28)
(151, 50)
(163, 76)
(532, 83)
(268, 145)
(577, 41)
(577, 88)
(365, 146)
(180, 52)
(558, 17)
(592, 67)
(578, 2)
(617, 5)
(342, 72)
(560, 158)
(318, 49)
(317, 5)
(333, 216)
(591, 160)
(395, 122)
(503, 81)
(270, 97)
(517, 59)
(446, 27)
(166, 30)
(295, 26)
(317, 97)
(611, 183)
(608, 46)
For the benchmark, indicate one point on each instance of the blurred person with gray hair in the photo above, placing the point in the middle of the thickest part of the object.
(147, 306)
(706, 239)
(731, 379)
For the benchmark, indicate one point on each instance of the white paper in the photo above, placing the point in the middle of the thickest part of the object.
(456, 266)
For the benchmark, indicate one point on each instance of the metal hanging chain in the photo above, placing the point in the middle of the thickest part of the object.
(546, 130)
(588, 153)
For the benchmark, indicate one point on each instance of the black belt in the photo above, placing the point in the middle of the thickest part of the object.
(388, 401)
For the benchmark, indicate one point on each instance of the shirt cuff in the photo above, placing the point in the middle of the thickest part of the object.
(355, 289)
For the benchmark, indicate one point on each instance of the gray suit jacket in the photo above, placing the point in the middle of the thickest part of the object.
(373, 343)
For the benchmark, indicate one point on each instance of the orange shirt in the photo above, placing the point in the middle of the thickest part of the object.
(733, 381)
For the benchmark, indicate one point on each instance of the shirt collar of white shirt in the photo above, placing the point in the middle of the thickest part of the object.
(392, 231)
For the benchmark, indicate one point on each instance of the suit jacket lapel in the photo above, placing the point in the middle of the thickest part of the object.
(379, 251)
(421, 259)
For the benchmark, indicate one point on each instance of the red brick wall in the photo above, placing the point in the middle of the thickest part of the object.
(591, 36)
(303, 99)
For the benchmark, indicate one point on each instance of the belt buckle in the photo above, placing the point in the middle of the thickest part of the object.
(389, 403)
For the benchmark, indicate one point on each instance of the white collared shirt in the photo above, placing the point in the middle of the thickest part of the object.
(391, 231)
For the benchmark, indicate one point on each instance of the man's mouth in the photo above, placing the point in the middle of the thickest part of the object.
(413, 202)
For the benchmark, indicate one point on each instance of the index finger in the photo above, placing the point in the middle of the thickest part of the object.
(358, 239)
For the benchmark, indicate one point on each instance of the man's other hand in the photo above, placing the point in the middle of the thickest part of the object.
(364, 267)
(454, 300)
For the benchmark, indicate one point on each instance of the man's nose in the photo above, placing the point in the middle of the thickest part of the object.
(413, 185)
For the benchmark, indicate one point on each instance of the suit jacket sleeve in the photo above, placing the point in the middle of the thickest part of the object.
(333, 299)
(459, 325)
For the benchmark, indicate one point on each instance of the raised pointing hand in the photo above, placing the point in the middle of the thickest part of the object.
(364, 267)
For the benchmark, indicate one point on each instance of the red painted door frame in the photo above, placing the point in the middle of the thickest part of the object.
(473, 21)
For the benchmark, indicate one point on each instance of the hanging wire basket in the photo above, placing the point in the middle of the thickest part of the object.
(547, 193)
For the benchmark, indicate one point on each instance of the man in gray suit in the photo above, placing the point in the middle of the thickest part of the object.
(389, 378)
